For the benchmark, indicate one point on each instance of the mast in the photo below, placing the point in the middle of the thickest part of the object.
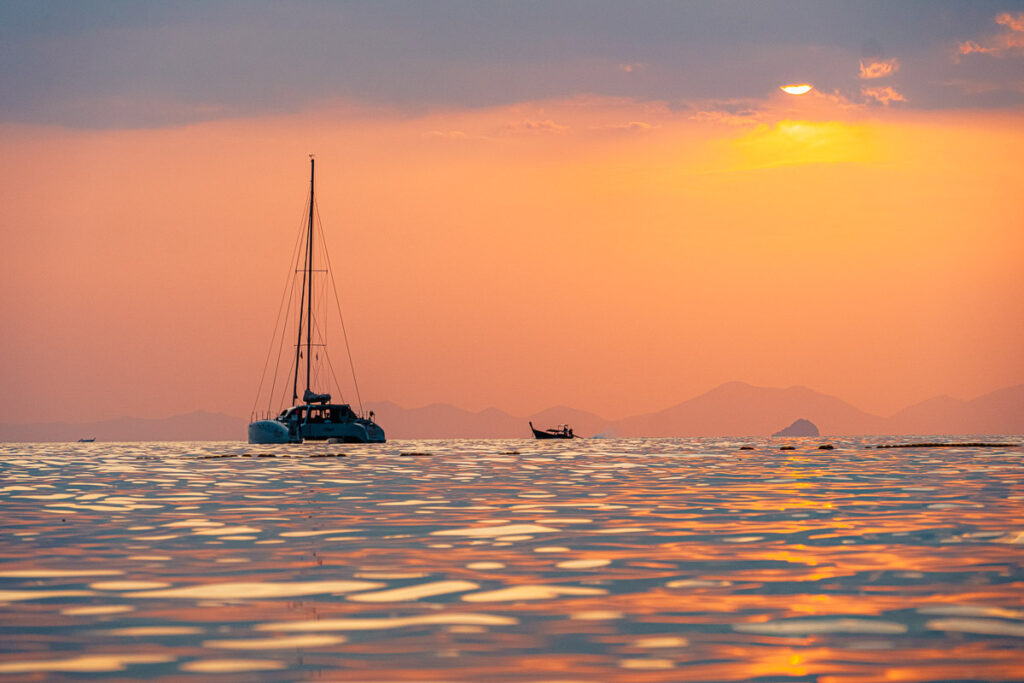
(307, 281)
(309, 269)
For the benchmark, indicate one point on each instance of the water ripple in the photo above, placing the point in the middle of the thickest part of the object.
(512, 561)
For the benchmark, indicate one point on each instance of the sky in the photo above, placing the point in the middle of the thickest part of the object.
(611, 206)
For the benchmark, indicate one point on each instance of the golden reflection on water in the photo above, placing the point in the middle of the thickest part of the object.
(520, 561)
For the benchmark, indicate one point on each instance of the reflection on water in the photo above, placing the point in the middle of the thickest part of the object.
(520, 561)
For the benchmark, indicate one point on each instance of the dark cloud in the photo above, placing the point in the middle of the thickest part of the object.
(113, 64)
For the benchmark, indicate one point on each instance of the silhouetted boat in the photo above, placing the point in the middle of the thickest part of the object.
(87, 440)
(313, 418)
(559, 432)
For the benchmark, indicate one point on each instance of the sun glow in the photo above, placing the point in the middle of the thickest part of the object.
(796, 89)
(799, 143)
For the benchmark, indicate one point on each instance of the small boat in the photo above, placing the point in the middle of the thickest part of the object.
(90, 440)
(559, 432)
(312, 416)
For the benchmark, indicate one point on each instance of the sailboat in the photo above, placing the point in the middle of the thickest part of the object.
(313, 417)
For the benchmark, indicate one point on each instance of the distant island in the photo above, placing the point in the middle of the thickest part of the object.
(801, 427)
(732, 409)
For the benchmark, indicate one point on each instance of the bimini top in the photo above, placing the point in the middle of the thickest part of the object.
(313, 397)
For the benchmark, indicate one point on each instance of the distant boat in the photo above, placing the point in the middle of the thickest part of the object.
(314, 417)
(559, 432)
(90, 440)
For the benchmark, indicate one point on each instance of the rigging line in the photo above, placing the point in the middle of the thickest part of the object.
(314, 349)
(284, 330)
(320, 332)
(277, 322)
(292, 364)
(280, 350)
(330, 364)
(284, 386)
(314, 380)
(321, 326)
(296, 250)
(337, 301)
(335, 376)
(302, 303)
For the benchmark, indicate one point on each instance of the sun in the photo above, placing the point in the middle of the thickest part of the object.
(796, 89)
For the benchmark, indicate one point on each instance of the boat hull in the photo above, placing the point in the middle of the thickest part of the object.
(550, 434)
(270, 432)
(355, 431)
(358, 430)
(545, 435)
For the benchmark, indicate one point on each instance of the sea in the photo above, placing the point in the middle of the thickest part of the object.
(454, 561)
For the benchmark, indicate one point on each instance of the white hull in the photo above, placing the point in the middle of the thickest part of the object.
(269, 431)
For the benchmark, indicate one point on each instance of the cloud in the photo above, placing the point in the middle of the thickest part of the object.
(1007, 43)
(630, 127)
(874, 68)
(969, 47)
(884, 94)
(114, 65)
(453, 135)
(731, 112)
(742, 112)
(1015, 22)
(742, 118)
(533, 126)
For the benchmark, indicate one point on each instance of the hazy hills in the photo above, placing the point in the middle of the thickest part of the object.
(732, 409)
(739, 409)
(196, 426)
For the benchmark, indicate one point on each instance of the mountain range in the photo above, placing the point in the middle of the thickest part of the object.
(732, 409)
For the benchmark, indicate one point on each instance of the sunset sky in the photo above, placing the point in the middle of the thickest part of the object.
(612, 206)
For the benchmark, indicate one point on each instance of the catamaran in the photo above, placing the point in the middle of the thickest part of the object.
(314, 417)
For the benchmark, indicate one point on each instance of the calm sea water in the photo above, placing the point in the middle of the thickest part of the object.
(519, 561)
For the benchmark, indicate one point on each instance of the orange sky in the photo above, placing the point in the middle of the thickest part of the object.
(607, 254)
